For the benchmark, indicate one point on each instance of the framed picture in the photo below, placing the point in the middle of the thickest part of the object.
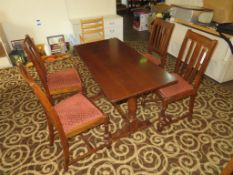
(57, 44)
(17, 44)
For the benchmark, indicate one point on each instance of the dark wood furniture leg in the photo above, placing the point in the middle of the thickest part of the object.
(132, 123)
(164, 120)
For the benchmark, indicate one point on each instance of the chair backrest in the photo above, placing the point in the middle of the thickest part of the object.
(93, 28)
(35, 58)
(160, 36)
(194, 56)
(44, 100)
(33, 53)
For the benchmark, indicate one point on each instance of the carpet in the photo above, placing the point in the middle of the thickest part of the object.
(201, 146)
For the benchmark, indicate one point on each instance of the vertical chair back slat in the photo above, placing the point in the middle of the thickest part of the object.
(191, 61)
(193, 70)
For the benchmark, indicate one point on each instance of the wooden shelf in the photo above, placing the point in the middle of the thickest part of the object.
(134, 4)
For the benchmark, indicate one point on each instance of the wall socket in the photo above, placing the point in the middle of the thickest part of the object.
(38, 22)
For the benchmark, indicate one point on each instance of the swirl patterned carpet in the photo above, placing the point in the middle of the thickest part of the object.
(202, 146)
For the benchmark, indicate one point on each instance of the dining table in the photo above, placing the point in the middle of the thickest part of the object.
(123, 75)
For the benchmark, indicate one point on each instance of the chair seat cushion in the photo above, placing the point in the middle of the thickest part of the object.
(151, 58)
(64, 80)
(181, 87)
(78, 114)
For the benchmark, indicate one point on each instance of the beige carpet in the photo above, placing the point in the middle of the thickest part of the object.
(202, 146)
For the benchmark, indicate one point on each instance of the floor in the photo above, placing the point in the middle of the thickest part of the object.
(131, 34)
(201, 146)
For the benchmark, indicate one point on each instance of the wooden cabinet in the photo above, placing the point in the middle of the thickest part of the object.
(113, 27)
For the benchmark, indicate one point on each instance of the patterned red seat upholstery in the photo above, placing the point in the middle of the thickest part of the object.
(70, 117)
(62, 80)
(152, 59)
(176, 89)
(78, 114)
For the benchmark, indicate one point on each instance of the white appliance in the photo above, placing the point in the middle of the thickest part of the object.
(192, 13)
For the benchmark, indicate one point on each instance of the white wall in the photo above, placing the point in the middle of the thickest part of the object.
(4, 39)
(90, 8)
(18, 17)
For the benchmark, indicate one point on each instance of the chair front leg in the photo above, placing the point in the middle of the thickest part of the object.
(163, 61)
(66, 152)
(163, 119)
(66, 158)
(191, 105)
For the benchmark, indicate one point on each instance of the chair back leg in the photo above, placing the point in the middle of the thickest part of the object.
(51, 132)
(164, 120)
(107, 134)
(191, 105)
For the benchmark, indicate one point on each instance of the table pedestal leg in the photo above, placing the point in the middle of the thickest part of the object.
(132, 123)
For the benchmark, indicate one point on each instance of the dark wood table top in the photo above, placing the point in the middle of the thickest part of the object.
(121, 71)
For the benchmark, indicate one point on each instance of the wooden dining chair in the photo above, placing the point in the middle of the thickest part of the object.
(92, 30)
(63, 81)
(228, 170)
(193, 58)
(70, 117)
(161, 32)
